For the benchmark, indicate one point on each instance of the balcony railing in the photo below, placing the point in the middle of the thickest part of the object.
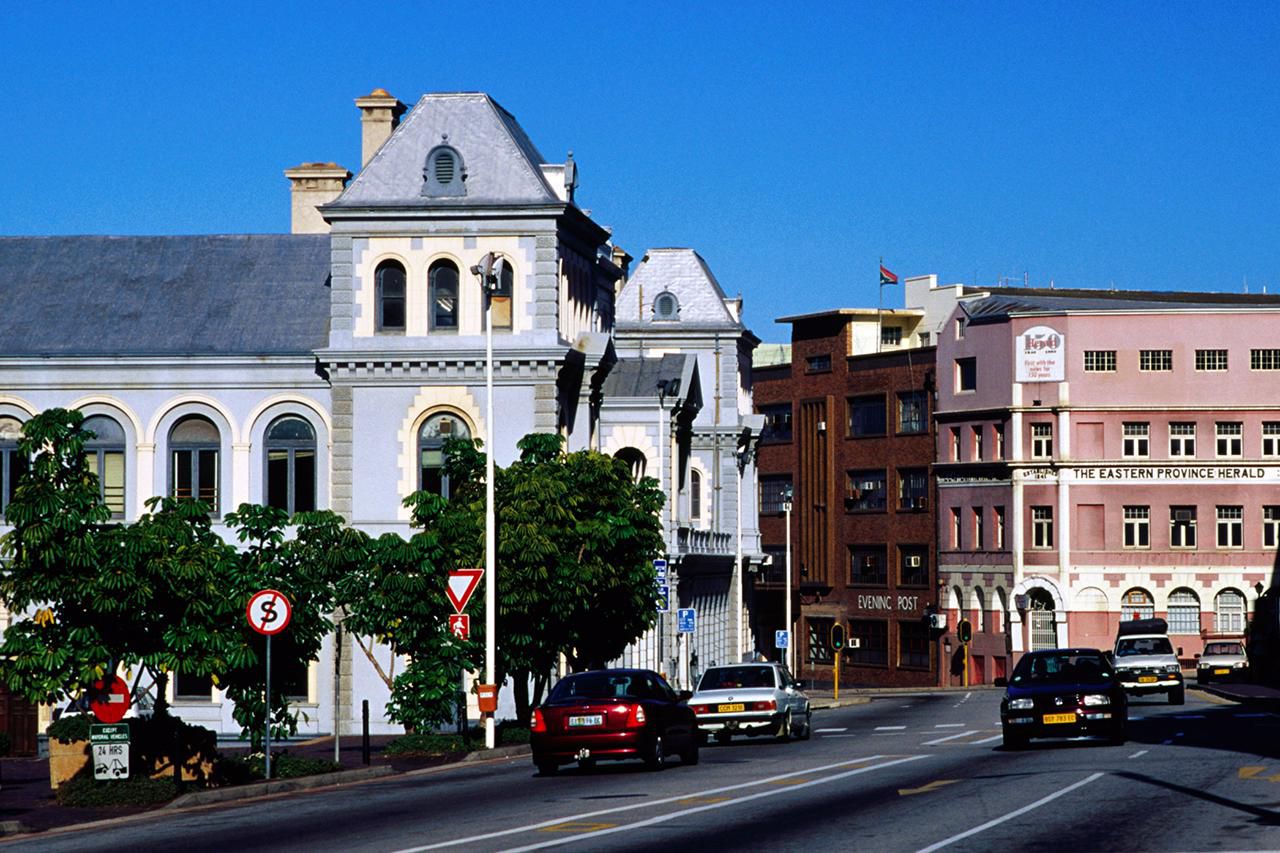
(690, 540)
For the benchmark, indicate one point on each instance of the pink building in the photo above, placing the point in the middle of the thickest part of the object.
(1105, 455)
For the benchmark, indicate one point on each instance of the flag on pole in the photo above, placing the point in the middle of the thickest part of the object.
(887, 277)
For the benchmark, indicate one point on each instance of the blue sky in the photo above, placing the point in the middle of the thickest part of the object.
(792, 145)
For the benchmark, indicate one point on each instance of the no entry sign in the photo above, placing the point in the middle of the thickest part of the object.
(110, 700)
(269, 612)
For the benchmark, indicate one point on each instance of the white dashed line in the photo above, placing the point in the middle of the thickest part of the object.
(890, 728)
(826, 731)
(948, 737)
(1139, 753)
(949, 726)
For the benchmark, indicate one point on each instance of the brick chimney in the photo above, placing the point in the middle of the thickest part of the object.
(314, 184)
(379, 115)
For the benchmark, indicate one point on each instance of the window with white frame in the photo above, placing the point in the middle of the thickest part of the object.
(695, 495)
(1137, 604)
(1271, 527)
(978, 537)
(442, 283)
(1155, 360)
(977, 443)
(1264, 359)
(966, 374)
(1042, 441)
(1184, 612)
(891, 336)
(1042, 527)
(104, 454)
(1137, 443)
(956, 537)
(433, 476)
(1230, 438)
(1271, 438)
(1229, 609)
(13, 462)
(1182, 527)
(997, 441)
(997, 541)
(1137, 527)
(290, 448)
(1230, 527)
(960, 324)
(1211, 359)
(1182, 440)
(1099, 361)
(955, 444)
(194, 444)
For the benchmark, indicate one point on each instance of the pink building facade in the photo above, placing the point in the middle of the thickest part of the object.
(1104, 456)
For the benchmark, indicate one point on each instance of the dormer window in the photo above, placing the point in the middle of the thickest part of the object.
(666, 306)
(444, 174)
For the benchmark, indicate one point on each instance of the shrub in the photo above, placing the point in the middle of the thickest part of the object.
(242, 770)
(70, 727)
(84, 790)
(509, 733)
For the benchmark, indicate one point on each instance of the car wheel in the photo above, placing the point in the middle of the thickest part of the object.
(1117, 737)
(807, 731)
(1178, 696)
(723, 737)
(547, 768)
(1013, 741)
(655, 758)
(690, 755)
(784, 728)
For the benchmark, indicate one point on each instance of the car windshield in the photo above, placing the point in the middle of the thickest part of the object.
(1223, 649)
(1060, 667)
(1130, 646)
(602, 685)
(731, 677)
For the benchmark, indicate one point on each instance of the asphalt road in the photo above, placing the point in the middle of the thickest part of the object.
(919, 772)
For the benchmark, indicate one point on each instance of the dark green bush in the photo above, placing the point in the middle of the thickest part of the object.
(242, 770)
(84, 790)
(509, 733)
(70, 727)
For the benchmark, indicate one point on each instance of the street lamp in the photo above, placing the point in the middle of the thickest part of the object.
(746, 450)
(489, 271)
(666, 388)
(791, 640)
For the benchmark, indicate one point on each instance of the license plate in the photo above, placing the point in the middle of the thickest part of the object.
(1146, 679)
(1221, 671)
(729, 709)
(587, 720)
(1059, 718)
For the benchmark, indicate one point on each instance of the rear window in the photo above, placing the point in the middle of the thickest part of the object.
(736, 677)
(1131, 646)
(1223, 649)
(607, 685)
(1062, 667)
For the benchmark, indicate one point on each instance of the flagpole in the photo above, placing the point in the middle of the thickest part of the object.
(880, 306)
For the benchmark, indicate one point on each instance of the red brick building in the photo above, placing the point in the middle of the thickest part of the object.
(851, 436)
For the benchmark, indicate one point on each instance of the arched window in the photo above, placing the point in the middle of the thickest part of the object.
(105, 455)
(1137, 604)
(500, 299)
(390, 286)
(984, 621)
(1184, 612)
(1230, 611)
(443, 285)
(666, 306)
(1040, 613)
(291, 465)
(635, 460)
(435, 431)
(695, 495)
(13, 464)
(194, 444)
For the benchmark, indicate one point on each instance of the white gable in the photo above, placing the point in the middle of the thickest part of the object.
(682, 273)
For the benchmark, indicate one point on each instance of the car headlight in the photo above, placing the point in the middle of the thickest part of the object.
(1238, 665)
(1173, 667)
(1020, 704)
(1097, 699)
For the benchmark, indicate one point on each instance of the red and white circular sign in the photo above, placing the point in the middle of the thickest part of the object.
(269, 612)
(109, 701)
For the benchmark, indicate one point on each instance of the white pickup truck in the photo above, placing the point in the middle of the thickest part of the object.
(1146, 662)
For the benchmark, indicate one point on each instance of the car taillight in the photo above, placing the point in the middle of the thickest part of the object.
(769, 705)
(701, 709)
(539, 724)
(635, 717)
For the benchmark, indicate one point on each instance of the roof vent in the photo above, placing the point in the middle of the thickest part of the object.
(666, 306)
(444, 173)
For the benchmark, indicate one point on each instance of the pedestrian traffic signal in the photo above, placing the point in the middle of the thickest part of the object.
(964, 630)
(837, 636)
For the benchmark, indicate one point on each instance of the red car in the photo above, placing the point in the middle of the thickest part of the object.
(613, 715)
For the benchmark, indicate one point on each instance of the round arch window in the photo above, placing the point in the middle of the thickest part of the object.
(13, 464)
(194, 448)
(634, 459)
(291, 464)
(433, 434)
(104, 454)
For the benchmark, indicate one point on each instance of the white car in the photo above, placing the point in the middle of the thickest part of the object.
(751, 699)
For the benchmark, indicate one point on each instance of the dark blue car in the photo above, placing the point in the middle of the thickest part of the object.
(1063, 693)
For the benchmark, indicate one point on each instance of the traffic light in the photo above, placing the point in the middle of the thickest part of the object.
(837, 636)
(964, 630)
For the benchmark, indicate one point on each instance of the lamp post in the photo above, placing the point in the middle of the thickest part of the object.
(489, 271)
(791, 640)
(744, 454)
(666, 387)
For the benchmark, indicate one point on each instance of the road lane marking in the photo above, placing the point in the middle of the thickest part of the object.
(890, 728)
(825, 731)
(577, 826)
(841, 735)
(949, 726)
(1011, 815)
(948, 737)
(654, 821)
(1250, 716)
(694, 801)
(851, 767)
(987, 740)
(1140, 753)
(924, 789)
(1249, 772)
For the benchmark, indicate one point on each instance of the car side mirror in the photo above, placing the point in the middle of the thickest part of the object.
(798, 685)
(1197, 656)
(1179, 651)
(685, 695)
(1000, 681)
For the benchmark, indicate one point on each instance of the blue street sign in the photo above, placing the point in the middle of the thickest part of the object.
(660, 569)
(686, 620)
(663, 598)
(781, 639)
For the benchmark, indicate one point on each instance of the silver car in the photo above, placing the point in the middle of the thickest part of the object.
(751, 699)
(1223, 660)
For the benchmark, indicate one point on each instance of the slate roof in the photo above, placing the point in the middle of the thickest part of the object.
(249, 294)
(502, 165)
(1001, 303)
(685, 274)
(638, 377)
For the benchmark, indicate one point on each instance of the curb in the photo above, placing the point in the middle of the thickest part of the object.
(280, 786)
(497, 752)
(13, 827)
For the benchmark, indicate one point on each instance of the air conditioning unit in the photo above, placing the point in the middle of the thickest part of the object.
(822, 426)
(913, 561)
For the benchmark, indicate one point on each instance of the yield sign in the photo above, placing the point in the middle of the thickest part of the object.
(462, 582)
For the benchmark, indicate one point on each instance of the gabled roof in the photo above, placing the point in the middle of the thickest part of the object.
(683, 273)
(997, 304)
(254, 294)
(501, 164)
